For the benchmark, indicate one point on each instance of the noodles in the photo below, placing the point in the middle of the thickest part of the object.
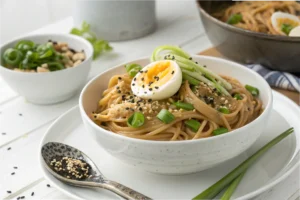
(256, 15)
(119, 103)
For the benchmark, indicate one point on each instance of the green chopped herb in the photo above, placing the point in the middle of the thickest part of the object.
(253, 90)
(136, 120)
(193, 124)
(237, 96)
(165, 116)
(286, 28)
(235, 18)
(133, 69)
(220, 131)
(185, 106)
(224, 110)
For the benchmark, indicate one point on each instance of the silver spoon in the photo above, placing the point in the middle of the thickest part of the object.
(54, 149)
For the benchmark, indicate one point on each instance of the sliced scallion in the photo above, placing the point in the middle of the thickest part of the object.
(237, 96)
(224, 110)
(136, 120)
(193, 124)
(190, 79)
(165, 116)
(133, 69)
(220, 131)
(184, 106)
(253, 90)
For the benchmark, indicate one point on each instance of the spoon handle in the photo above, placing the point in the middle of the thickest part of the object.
(124, 191)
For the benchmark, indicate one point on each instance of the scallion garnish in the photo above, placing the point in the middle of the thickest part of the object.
(220, 131)
(193, 124)
(224, 110)
(235, 18)
(230, 190)
(133, 69)
(165, 116)
(216, 188)
(185, 106)
(190, 79)
(237, 96)
(136, 120)
(286, 28)
(253, 90)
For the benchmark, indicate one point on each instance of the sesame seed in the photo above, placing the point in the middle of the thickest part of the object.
(156, 87)
(190, 58)
(143, 79)
(150, 83)
(150, 89)
(131, 97)
(119, 91)
(146, 71)
(32, 193)
(127, 108)
(95, 116)
(3, 133)
(133, 84)
(9, 148)
(140, 109)
(13, 173)
(131, 109)
(20, 114)
(118, 87)
(119, 78)
(173, 72)
(149, 100)
(145, 92)
(22, 197)
(8, 191)
(143, 86)
(48, 185)
(15, 167)
(196, 62)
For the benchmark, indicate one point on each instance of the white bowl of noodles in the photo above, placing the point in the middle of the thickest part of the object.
(185, 155)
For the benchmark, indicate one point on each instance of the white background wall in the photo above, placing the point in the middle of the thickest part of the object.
(22, 16)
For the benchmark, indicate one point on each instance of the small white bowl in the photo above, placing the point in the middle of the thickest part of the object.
(49, 87)
(178, 157)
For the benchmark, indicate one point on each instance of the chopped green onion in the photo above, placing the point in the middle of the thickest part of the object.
(25, 45)
(133, 69)
(185, 106)
(190, 79)
(136, 120)
(286, 28)
(165, 116)
(54, 66)
(253, 90)
(224, 110)
(220, 131)
(12, 56)
(193, 124)
(230, 190)
(216, 188)
(235, 18)
(237, 96)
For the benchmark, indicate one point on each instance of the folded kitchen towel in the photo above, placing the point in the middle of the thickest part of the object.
(277, 79)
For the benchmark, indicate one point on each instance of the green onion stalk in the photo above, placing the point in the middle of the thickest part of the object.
(191, 71)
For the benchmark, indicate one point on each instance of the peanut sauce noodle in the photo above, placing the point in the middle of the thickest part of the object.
(256, 15)
(118, 103)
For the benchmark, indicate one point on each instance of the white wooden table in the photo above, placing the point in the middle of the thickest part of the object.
(22, 124)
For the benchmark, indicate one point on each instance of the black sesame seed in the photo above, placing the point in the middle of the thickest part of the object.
(173, 57)
(48, 185)
(127, 108)
(130, 97)
(157, 79)
(146, 71)
(173, 72)
(196, 62)
(204, 66)
(143, 86)
(54, 42)
(8, 191)
(118, 87)
(150, 89)
(190, 58)
(22, 197)
(150, 83)
(15, 167)
(133, 84)
(149, 100)
(32, 193)
(134, 79)
(119, 78)
(18, 198)
(145, 92)
(3, 133)
(9, 148)
(156, 87)
(20, 114)
(141, 71)
(13, 173)
(128, 93)
(131, 109)
(143, 79)
(140, 109)
(72, 50)
(119, 91)
(95, 116)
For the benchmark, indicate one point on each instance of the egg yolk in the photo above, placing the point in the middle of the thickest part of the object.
(158, 74)
(291, 22)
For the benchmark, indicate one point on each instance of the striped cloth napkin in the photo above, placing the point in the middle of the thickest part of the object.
(277, 79)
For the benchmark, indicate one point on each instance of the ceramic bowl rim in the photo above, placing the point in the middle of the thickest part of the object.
(267, 107)
(231, 28)
(83, 42)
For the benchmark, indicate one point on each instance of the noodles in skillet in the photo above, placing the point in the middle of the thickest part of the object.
(201, 115)
(256, 15)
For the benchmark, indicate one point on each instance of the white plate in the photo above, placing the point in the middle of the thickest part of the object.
(269, 170)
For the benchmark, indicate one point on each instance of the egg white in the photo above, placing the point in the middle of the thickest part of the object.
(164, 91)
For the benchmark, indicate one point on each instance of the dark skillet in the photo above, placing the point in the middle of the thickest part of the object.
(274, 51)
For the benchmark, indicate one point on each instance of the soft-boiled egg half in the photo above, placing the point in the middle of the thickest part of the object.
(158, 80)
(284, 21)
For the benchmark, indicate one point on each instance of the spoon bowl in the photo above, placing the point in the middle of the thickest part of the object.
(52, 150)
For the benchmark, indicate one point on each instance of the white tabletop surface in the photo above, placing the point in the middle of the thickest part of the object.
(22, 124)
